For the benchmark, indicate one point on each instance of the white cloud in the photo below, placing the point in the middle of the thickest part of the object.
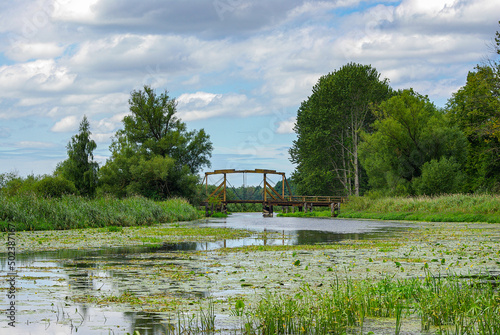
(286, 126)
(39, 76)
(67, 124)
(102, 137)
(75, 10)
(203, 105)
(22, 52)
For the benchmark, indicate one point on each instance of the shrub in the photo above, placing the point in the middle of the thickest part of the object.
(54, 187)
(442, 176)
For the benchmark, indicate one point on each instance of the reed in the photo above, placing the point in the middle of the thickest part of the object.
(445, 208)
(34, 212)
(450, 305)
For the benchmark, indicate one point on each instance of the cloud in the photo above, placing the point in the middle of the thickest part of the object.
(34, 144)
(39, 76)
(67, 124)
(25, 51)
(203, 105)
(286, 126)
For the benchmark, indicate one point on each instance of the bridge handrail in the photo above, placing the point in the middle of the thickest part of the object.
(312, 198)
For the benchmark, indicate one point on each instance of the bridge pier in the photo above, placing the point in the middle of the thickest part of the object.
(267, 210)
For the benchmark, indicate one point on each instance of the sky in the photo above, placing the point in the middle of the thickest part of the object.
(238, 68)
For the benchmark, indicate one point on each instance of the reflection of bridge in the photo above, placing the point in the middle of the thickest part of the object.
(218, 199)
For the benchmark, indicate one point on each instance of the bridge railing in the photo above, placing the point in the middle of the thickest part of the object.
(306, 198)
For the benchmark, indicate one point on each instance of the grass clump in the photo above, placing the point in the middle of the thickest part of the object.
(447, 305)
(34, 212)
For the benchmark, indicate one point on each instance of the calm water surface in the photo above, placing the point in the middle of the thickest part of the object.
(47, 280)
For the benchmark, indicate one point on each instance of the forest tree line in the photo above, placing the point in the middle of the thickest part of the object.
(356, 135)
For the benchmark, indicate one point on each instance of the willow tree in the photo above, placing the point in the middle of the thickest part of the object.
(328, 129)
(154, 155)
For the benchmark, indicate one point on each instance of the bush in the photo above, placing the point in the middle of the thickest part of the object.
(442, 176)
(55, 187)
(12, 184)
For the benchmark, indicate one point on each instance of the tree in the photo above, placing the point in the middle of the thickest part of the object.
(154, 155)
(328, 130)
(80, 167)
(409, 132)
(476, 109)
(154, 128)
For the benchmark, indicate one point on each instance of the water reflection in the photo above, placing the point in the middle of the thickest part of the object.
(113, 271)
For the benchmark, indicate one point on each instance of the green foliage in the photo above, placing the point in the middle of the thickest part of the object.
(12, 184)
(443, 176)
(409, 132)
(80, 167)
(57, 186)
(154, 155)
(476, 109)
(327, 127)
(33, 212)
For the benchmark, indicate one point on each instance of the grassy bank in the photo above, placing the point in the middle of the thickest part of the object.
(447, 208)
(32, 212)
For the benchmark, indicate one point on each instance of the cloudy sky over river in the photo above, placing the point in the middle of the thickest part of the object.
(238, 68)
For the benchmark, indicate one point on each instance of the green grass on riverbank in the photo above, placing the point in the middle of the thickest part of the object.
(446, 208)
(32, 212)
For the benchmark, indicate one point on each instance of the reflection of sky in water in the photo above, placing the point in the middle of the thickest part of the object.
(46, 279)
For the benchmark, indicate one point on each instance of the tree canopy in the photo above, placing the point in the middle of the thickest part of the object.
(154, 155)
(80, 167)
(476, 110)
(328, 127)
(409, 132)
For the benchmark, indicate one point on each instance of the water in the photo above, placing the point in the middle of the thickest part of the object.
(48, 283)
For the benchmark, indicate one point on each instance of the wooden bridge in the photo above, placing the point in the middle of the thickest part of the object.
(218, 199)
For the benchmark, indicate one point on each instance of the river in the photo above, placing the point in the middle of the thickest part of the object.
(49, 283)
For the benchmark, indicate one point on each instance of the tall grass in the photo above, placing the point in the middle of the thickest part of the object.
(446, 305)
(32, 212)
(450, 208)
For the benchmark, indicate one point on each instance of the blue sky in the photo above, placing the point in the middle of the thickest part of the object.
(238, 68)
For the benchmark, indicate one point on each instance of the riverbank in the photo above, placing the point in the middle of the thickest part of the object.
(32, 212)
(447, 208)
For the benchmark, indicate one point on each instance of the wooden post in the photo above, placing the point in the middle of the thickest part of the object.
(265, 188)
(283, 186)
(224, 187)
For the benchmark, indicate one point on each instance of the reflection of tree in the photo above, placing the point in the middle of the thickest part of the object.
(147, 323)
(317, 236)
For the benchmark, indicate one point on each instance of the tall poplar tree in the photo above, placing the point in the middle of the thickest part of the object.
(328, 130)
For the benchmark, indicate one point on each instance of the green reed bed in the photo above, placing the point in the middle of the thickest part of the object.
(443, 305)
(32, 212)
(446, 208)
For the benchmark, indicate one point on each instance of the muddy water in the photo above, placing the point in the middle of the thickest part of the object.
(49, 284)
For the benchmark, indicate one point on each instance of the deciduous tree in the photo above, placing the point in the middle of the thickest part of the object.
(154, 155)
(328, 130)
(409, 132)
(80, 167)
